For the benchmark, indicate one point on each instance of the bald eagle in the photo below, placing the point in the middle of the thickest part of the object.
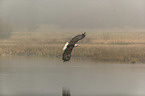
(68, 47)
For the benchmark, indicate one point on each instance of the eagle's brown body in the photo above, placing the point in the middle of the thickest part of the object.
(67, 52)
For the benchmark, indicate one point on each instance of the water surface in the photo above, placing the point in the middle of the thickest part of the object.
(33, 76)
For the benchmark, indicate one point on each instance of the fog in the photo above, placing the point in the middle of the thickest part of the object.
(88, 14)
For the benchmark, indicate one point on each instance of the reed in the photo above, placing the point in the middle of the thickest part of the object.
(113, 53)
(97, 47)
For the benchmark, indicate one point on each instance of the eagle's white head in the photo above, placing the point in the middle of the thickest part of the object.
(65, 46)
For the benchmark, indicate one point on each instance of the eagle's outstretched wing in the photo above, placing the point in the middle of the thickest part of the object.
(67, 52)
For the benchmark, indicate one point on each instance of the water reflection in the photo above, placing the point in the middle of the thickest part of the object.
(20, 76)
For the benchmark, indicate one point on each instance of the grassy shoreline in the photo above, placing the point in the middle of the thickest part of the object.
(100, 50)
(97, 52)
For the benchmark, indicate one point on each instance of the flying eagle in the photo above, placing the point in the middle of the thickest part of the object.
(68, 47)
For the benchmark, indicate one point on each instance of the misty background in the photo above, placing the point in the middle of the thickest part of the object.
(73, 14)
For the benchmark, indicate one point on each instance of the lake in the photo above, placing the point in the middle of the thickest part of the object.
(35, 76)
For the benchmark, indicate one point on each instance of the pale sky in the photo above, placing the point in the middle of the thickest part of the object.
(75, 13)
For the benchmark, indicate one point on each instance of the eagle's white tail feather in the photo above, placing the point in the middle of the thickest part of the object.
(65, 46)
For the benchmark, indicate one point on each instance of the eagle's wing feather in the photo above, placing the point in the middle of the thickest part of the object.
(67, 52)
(76, 39)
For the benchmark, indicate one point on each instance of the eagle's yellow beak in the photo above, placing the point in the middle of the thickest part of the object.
(78, 45)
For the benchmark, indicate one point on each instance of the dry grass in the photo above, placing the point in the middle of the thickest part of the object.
(115, 47)
(111, 53)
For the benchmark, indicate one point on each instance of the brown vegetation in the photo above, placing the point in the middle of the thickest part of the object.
(129, 49)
